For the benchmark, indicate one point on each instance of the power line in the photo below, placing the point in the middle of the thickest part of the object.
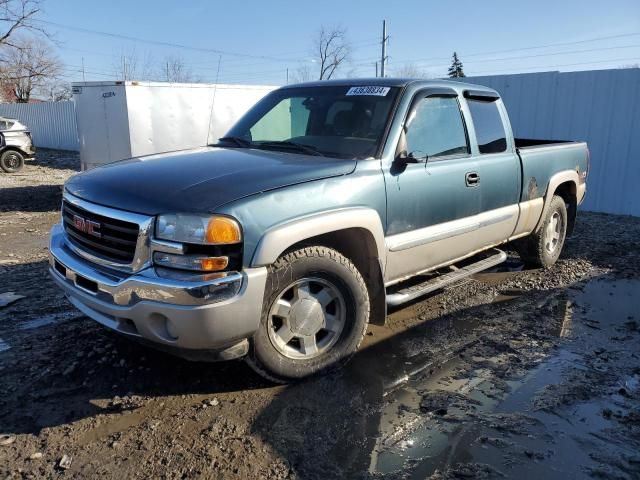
(520, 57)
(556, 53)
(534, 47)
(611, 60)
(180, 46)
(159, 42)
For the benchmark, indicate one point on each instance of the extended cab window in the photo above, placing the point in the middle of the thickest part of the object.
(488, 124)
(435, 128)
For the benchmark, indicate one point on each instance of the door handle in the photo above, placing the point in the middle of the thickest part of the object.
(472, 179)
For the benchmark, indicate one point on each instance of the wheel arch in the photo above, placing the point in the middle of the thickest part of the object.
(13, 148)
(564, 184)
(354, 232)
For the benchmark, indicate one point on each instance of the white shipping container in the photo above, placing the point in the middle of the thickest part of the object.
(118, 120)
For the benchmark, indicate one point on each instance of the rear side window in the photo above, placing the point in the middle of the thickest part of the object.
(488, 124)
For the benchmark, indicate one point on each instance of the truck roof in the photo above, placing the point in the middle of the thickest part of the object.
(391, 82)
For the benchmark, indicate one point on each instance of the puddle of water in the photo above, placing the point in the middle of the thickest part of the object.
(51, 319)
(504, 427)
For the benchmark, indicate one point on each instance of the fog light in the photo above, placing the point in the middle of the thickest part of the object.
(172, 332)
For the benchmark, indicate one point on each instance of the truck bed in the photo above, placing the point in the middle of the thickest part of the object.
(541, 159)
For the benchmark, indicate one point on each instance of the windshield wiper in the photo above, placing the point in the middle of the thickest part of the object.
(239, 141)
(287, 144)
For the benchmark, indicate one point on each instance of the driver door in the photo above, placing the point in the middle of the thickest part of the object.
(431, 196)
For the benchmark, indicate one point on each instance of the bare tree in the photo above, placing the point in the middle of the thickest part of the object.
(302, 74)
(175, 70)
(411, 70)
(28, 67)
(18, 16)
(131, 66)
(333, 50)
(57, 91)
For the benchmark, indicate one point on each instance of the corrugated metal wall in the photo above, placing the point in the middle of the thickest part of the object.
(52, 124)
(601, 107)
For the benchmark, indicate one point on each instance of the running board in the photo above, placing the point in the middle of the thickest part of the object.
(411, 293)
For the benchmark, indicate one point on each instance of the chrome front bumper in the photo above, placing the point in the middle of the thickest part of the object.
(177, 310)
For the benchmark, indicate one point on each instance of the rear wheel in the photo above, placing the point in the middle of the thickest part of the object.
(315, 314)
(543, 248)
(11, 161)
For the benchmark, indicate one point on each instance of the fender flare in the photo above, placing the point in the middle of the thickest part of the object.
(280, 237)
(556, 180)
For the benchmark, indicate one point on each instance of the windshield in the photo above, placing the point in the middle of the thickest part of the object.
(345, 122)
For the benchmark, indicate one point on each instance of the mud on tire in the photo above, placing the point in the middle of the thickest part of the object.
(314, 315)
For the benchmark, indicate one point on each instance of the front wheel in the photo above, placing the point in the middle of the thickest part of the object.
(315, 314)
(11, 161)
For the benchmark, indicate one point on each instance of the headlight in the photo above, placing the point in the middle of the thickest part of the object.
(199, 229)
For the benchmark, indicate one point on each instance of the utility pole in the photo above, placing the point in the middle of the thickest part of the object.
(83, 69)
(385, 37)
(376, 69)
(167, 71)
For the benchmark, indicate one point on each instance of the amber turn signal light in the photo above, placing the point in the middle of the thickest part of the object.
(222, 230)
(214, 264)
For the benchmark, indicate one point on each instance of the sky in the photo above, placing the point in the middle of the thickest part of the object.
(256, 42)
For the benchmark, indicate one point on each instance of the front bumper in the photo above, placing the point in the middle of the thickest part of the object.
(187, 314)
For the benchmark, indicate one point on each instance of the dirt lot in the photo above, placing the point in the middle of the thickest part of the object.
(517, 374)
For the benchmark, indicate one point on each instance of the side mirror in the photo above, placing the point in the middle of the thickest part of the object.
(404, 157)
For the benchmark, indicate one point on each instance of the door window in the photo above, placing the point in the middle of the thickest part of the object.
(436, 128)
(490, 132)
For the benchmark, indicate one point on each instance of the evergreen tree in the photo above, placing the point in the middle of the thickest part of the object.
(455, 70)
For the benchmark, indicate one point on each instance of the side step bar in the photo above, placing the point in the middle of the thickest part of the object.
(411, 293)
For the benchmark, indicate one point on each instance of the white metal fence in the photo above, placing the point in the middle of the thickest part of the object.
(601, 107)
(52, 124)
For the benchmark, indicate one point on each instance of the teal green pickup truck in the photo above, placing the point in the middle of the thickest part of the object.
(283, 241)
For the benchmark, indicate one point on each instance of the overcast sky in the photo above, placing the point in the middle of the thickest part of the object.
(261, 39)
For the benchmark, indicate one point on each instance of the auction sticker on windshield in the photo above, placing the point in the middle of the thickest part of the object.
(377, 91)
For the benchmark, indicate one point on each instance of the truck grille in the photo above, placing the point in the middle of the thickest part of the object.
(108, 238)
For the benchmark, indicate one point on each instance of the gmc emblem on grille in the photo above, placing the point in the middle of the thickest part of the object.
(87, 226)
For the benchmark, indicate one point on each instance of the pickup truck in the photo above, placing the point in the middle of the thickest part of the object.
(283, 241)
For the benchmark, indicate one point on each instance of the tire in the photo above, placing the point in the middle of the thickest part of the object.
(11, 161)
(542, 249)
(314, 315)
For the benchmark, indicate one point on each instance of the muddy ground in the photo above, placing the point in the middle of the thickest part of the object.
(523, 374)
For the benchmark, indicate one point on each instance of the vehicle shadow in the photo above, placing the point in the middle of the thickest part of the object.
(36, 198)
(57, 159)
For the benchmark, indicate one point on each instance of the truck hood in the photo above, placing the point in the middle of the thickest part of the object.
(198, 180)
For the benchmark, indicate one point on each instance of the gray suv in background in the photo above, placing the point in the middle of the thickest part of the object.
(15, 145)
